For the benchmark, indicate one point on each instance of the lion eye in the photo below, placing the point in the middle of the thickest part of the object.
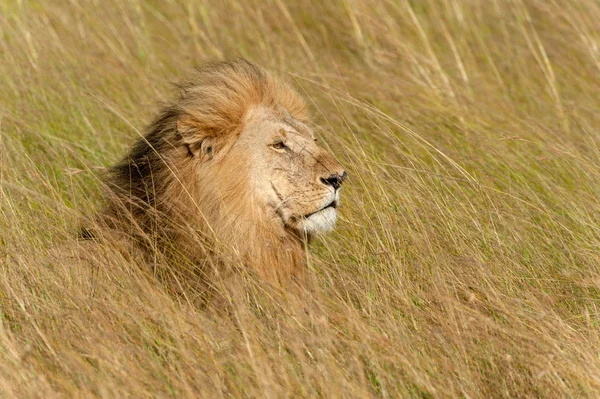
(278, 145)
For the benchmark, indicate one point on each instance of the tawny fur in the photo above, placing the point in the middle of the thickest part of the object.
(185, 186)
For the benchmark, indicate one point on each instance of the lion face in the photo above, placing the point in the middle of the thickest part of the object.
(290, 175)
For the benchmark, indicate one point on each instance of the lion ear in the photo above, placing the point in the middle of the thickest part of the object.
(198, 143)
(207, 148)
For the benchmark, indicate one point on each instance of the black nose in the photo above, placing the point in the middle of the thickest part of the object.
(334, 180)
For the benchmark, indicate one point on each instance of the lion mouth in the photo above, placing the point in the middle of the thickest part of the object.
(333, 204)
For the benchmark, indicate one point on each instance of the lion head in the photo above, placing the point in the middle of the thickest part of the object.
(232, 161)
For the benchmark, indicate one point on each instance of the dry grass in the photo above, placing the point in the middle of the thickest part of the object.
(466, 263)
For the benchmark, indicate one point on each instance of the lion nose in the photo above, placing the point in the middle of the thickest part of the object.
(335, 180)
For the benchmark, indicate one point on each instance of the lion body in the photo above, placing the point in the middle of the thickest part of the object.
(199, 185)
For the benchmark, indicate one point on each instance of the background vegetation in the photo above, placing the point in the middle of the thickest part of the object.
(466, 262)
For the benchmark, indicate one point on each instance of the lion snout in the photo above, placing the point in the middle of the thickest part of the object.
(334, 180)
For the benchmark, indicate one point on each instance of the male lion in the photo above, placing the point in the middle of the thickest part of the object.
(230, 170)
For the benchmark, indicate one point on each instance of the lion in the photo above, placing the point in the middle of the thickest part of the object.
(229, 170)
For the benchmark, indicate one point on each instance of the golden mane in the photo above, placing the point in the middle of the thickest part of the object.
(219, 95)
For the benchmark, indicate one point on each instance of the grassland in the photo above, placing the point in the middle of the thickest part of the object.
(466, 262)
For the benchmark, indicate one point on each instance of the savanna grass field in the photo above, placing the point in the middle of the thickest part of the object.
(466, 259)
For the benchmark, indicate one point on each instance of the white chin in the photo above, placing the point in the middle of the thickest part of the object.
(320, 222)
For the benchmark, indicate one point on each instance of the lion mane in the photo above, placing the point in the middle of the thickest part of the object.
(155, 197)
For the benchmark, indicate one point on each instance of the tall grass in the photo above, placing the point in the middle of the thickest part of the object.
(466, 262)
